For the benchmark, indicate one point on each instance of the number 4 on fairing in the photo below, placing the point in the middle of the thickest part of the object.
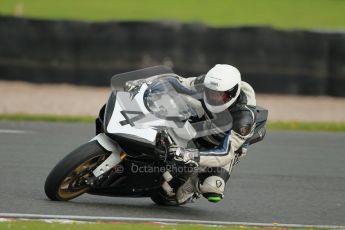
(128, 120)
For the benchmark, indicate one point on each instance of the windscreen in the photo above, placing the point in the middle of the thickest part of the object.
(156, 98)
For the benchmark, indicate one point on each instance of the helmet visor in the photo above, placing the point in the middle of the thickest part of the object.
(220, 97)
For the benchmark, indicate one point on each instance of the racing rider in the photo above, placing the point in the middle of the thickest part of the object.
(222, 91)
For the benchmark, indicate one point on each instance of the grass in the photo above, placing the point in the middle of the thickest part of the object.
(307, 126)
(49, 118)
(275, 125)
(285, 14)
(39, 225)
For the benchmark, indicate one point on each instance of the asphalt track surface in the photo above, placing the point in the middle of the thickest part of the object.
(290, 178)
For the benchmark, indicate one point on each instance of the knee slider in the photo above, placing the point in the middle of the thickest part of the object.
(212, 188)
(212, 183)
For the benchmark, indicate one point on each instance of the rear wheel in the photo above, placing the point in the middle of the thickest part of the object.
(160, 198)
(68, 179)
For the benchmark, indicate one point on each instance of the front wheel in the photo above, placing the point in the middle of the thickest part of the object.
(68, 179)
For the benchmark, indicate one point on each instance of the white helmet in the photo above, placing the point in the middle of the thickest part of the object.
(222, 87)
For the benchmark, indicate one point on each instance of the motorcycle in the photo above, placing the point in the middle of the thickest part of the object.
(129, 156)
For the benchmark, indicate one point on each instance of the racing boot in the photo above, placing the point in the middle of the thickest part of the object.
(212, 188)
(186, 191)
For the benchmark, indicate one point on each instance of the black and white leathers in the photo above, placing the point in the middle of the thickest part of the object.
(218, 150)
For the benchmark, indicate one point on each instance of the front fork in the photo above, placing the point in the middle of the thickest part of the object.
(116, 156)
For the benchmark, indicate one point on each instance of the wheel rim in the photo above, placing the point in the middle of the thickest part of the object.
(75, 183)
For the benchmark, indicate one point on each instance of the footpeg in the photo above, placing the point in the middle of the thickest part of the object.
(166, 186)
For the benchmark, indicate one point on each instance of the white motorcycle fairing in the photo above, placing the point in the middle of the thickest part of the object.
(136, 104)
(131, 118)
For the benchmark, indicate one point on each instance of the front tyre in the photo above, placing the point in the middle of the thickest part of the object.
(68, 179)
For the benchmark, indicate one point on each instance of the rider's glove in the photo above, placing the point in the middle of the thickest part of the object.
(133, 85)
(187, 156)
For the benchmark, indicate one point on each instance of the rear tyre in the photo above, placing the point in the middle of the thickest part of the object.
(160, 198)
(68, 179)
